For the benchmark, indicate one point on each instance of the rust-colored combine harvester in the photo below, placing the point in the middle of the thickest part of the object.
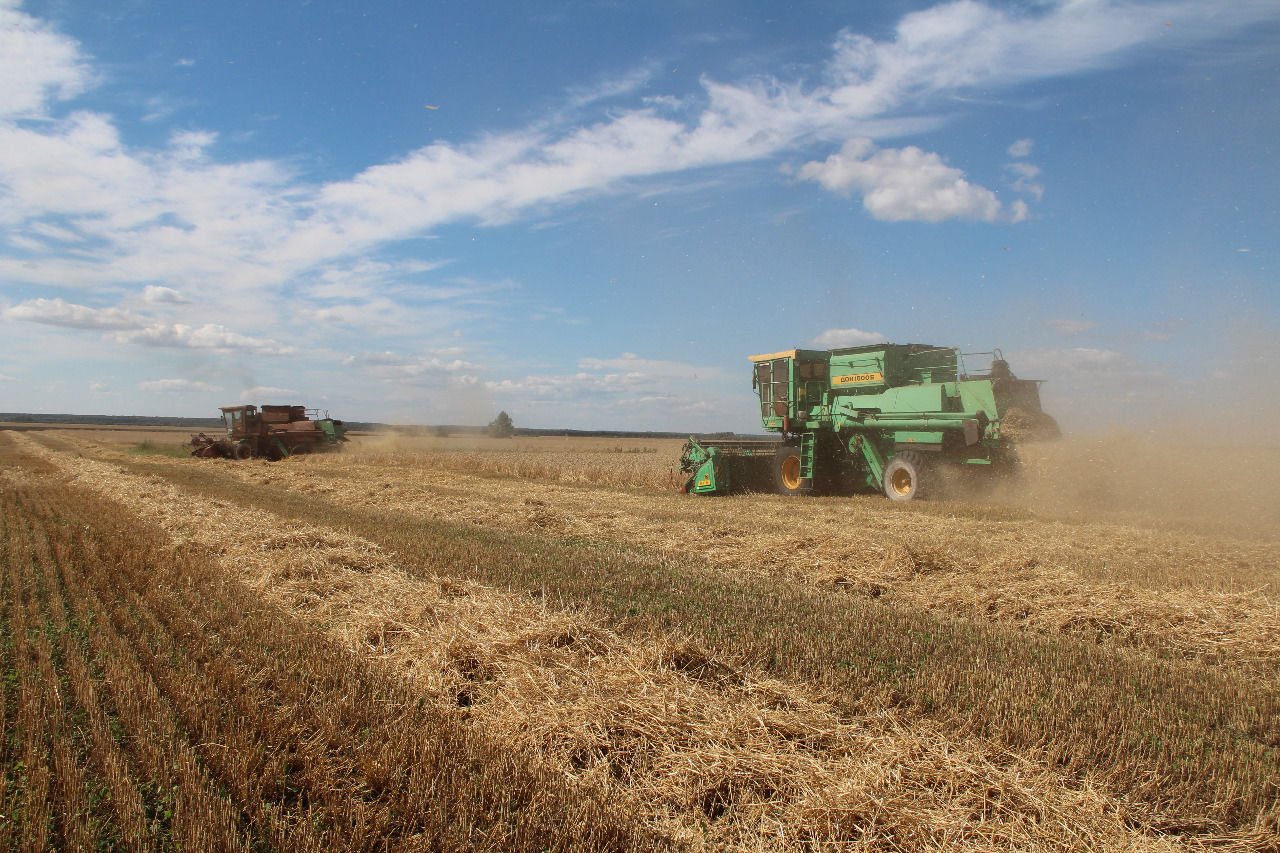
(273, 432)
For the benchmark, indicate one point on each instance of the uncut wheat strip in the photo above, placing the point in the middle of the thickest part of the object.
(34, 718)
(672, 719)
(41, 716)
(9, 792)
(1241, 628)
(1034, 585)
(73, 783)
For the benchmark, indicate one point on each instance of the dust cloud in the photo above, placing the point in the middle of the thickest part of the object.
(1159, 477)
(1188, 445)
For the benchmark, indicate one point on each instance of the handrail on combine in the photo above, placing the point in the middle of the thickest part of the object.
(963, 370)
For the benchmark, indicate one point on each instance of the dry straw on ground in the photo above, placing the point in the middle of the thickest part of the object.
(1186, 593)
(714, 754)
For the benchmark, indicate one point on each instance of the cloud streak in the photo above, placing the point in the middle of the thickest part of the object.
(175, 215)
(836, 338)
(176, 386)
(210, 336)
(59, 312)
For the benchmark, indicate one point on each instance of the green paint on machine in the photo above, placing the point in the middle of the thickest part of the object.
(884, 416)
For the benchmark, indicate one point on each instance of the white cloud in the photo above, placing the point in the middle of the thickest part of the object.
(50, 231)
(210, 336)
(960, 45)
(160, 295)
(836, 338)
(85, 208)
(631, 365)
(58, 312)
(1021, 148)
(36, 64)
(173, 215)
(615, 87)
(191, 144)
(380, 315)
(174, 386)
(439, 364)
(906, 184)
(250, 395)
(1023, 179)
(611, 381)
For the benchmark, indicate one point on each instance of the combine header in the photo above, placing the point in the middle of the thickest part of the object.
(272, 433)
(883, 417)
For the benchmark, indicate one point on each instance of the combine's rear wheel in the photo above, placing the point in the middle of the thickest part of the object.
(786, 473)
(905, 477)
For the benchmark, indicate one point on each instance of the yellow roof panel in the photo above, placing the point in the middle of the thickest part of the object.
(771, 356)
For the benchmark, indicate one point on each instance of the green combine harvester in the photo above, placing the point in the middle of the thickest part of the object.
(884, 417)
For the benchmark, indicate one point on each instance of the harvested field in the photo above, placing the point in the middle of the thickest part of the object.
(543, 646)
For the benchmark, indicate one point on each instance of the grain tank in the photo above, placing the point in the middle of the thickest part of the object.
(885, 417)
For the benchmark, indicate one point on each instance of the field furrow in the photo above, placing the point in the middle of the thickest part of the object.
(1044, 576)
(181, 664)
(710, 747)
(1189, 595)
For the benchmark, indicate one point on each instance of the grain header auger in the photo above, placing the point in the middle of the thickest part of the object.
(273, 432)
(886, 417)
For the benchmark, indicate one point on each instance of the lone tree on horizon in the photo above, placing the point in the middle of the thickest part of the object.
(501, 426)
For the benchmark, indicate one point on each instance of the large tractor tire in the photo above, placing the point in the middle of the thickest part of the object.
(244, 450)
(786, 473)
(906, 477)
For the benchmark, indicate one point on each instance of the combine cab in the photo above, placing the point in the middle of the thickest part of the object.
(885, 417)
(273, 432)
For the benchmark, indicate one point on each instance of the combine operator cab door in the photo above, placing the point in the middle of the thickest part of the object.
(772, 382)
(233, 419)
(791, 385)
(238, 420)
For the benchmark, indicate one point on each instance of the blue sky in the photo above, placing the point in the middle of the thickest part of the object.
(590, 214)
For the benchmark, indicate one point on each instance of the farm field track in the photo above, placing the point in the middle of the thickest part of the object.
(412, 646)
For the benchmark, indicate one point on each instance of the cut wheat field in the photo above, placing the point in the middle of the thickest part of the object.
(538, 644)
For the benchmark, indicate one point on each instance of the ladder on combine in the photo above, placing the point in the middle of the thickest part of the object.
(808, 443)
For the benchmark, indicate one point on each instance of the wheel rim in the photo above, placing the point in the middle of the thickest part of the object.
(791, 472)
(900, 482)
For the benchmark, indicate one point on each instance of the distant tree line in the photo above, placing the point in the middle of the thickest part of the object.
(440, 430)
(110, 420)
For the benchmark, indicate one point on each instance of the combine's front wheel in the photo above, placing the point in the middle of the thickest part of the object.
(905, 477)
(786, 473)
(244, 450)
